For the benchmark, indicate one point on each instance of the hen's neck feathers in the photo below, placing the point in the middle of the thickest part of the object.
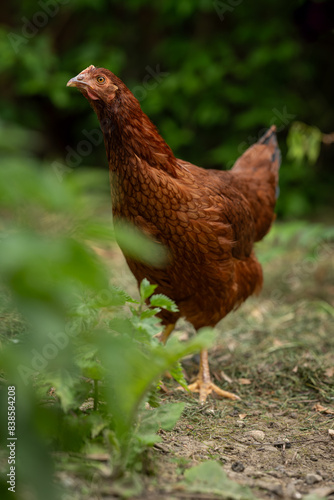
(130, 136)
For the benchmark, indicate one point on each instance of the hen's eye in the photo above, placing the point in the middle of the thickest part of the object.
(100, 79)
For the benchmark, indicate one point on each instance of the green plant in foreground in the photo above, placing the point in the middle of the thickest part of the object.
(84, 365)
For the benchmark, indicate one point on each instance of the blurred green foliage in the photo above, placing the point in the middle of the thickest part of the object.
(212, 75)
(85, 357)
(304, 143)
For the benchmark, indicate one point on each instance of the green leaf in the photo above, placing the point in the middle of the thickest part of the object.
(164, 417)
(112, 296)
(137, 245)
(64, 385)
(177, 373)
(147, 439)
(160, 300)
(93, 371)
(153, 398)
(167, 415)
(209, 477)
(98, 423)
(148, 313)
(148, 325)
(146, 289)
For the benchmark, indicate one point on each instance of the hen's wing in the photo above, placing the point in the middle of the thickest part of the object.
(227, 207)
(248, 191)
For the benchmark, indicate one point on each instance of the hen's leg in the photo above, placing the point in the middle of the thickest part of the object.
(203, 384)
(166, 333)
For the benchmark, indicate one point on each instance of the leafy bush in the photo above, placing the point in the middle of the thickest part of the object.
(204, 72)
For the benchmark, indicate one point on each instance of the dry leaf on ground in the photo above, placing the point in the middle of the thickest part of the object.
(322, 409)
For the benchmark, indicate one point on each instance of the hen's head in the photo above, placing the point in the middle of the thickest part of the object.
(97, 84)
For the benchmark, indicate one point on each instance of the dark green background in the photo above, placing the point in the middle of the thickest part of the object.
(226, 70)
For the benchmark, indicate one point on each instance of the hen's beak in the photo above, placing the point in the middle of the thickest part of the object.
(78, 80)
(73, 82)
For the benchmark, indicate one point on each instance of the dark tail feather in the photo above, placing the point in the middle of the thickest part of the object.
(269, 136)
(264, 156)
(258, 170)
(269, 139)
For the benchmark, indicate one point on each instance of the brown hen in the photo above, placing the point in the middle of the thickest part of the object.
(208, 219)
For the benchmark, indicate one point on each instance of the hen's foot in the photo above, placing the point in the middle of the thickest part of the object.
(203, 384)
(206, 388)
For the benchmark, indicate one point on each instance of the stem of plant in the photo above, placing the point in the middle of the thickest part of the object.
(96, 394)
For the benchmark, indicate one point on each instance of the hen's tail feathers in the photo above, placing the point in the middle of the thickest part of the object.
(269, 139)
(263, 156)
(257, 175)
